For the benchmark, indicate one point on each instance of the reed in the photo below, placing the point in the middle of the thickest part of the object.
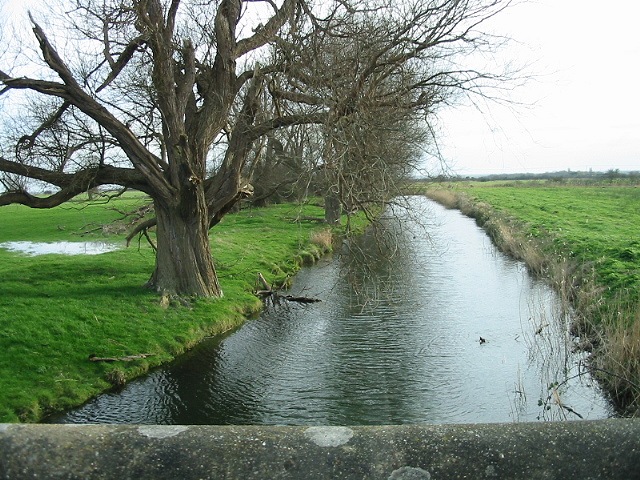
(616, 361)
(322, 239)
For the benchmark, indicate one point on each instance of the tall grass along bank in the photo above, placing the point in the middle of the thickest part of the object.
(58, 310)
(586, 242)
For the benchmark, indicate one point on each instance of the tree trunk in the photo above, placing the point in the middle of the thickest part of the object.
(332, 208)
(184, 265)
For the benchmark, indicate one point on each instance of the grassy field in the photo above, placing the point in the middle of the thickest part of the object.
(586, 242)
(56, 310)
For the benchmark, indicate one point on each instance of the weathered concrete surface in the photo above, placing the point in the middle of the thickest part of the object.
(582, 450)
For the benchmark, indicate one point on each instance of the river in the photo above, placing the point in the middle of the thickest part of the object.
(396, 339)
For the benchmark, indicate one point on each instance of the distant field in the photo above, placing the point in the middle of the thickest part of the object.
(591, 224)
(56, 310)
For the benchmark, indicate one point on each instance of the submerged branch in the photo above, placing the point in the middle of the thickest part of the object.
(269, 292)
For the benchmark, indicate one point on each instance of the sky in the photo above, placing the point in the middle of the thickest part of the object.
(581, 108)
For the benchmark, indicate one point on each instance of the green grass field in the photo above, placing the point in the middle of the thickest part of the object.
(56, 310)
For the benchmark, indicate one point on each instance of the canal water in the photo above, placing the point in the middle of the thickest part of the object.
(396, 339)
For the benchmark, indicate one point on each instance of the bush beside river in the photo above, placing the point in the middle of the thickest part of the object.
(57, 310)
(586, 242)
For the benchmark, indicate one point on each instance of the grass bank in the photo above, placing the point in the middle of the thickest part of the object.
(56, 310)
(586, 242)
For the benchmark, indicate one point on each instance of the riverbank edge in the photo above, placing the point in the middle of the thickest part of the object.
(303, 256)
(321, 242)
(612, 342)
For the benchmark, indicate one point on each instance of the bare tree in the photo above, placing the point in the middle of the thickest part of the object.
(380, 70)
(154, 102)
(144, 93)
(282, 167)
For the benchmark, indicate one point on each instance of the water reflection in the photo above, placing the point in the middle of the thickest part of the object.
(395, 340)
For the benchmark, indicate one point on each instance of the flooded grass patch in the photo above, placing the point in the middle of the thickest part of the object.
(59, 248)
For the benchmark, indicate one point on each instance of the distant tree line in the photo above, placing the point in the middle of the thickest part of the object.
(632, 176)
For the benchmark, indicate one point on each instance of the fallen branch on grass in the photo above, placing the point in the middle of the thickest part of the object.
(128, 358)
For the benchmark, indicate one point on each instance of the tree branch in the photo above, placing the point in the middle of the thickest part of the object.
(145, 161)
(28, 140)
(123, 59)
(51, 56)
(265, 34)
(141, 227)
(82, 180)
(267, 126)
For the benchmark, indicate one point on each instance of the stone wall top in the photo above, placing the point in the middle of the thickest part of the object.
(592, 449)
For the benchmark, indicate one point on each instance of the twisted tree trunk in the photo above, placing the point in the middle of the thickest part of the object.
(184, 265)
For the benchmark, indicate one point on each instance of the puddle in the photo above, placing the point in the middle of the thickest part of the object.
(61, 248)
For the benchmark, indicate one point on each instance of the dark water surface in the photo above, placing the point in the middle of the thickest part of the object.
(395, 340)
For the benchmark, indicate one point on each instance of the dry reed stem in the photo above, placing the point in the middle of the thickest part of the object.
(322, 238)
(618, 359)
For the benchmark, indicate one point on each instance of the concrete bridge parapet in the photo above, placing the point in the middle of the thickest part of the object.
(607, 449)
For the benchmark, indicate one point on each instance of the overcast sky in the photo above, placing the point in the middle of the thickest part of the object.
(583, 106)
(585, 103)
